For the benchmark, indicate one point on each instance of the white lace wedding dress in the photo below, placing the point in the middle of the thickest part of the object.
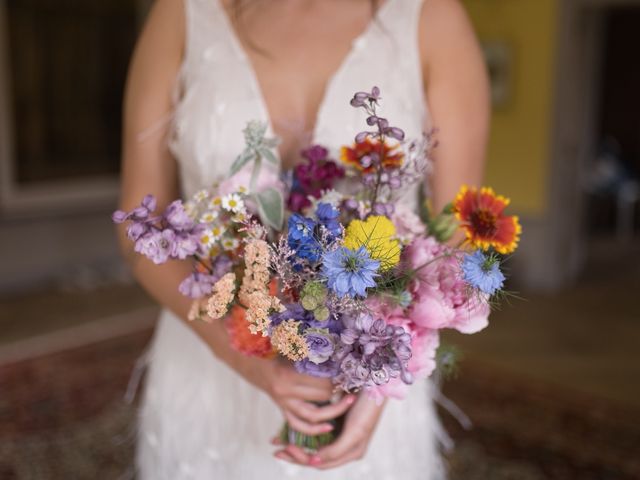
(200, 420)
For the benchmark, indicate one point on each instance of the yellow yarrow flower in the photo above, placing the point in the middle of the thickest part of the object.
(377, 235)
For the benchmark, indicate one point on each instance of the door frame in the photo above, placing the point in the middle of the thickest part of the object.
(573, 137)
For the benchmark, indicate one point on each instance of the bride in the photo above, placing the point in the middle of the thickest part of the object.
(201, 70)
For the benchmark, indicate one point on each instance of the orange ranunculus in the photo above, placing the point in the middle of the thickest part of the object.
(242, 339)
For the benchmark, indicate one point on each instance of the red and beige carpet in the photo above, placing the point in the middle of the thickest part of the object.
(63, 416)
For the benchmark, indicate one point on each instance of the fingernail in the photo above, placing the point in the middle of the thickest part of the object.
(350, 400)
(327, 428)
(315, 460)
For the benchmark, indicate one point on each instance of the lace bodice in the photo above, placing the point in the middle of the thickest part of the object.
(219, 92)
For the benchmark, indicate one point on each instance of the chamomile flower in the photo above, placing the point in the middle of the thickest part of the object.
(239, 217)
(233, 203)
(201, 196)
(190, 209)
(218, 231)
(230, 244)
(207, 239)
(215, 203)
(209, 216)
(210, 236)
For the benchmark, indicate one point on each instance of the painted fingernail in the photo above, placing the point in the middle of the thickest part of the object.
(315, 460)
(350, 400)
(327, 428)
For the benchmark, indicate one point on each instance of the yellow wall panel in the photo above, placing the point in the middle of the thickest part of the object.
(520, 138)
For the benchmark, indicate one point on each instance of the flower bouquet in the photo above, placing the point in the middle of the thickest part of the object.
(356, 287)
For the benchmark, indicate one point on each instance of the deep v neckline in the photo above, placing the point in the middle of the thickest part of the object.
(330, 83)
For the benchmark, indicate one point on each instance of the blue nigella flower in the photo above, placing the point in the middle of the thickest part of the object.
(301, 237)
(328, 216)
(349, 272)
(482, 272)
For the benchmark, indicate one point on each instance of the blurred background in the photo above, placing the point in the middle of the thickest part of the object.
(553, 387)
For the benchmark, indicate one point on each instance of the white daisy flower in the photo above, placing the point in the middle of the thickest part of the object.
(217, 232)
(215, 203)
(239, 217)
(201, 195)
(209, 217)
(210, 236)
(207, 239)
(230, 243)
(332, 197)
(233, 203)
(190, 209)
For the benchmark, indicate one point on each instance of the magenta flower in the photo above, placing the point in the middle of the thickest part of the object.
(310, 179)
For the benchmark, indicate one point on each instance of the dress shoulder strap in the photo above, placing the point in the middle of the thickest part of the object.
(206, 33)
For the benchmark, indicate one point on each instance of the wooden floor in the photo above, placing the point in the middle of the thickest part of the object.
(586, 337)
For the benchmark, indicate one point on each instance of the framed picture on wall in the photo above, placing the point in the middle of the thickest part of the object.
(499, 58)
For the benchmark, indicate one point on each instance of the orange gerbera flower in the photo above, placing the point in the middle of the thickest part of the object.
(242, 340)
(354, 155)
(481, 215)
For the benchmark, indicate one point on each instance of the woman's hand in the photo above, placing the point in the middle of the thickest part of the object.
(352, 444)
(293, 392)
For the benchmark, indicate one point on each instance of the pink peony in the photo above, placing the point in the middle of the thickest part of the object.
(423, 353)
(431, 309)
(422, 250)
(473, 315)
(442, 298)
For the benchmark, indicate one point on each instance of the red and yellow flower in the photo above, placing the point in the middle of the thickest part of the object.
(392, 156)
(480, 213)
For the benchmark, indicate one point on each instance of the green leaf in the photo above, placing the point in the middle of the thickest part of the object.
(443, 227)
(271, 208)
(241, 160)
(269, 156)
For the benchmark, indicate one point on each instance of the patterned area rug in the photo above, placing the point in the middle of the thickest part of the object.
(63, 417)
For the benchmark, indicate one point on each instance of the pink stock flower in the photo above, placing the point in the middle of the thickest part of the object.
(268, 178)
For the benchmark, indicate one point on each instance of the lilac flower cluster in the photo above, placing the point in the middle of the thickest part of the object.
(200, 284)
(369, 101)
(172, 235)
(371, 353)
